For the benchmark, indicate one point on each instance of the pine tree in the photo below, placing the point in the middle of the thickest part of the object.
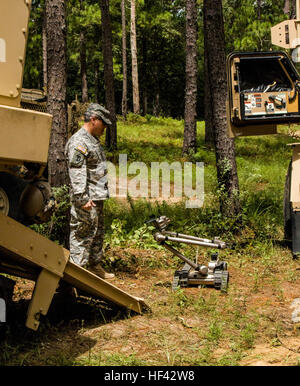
(57, 89)
(124, 60)
(224, 146)
(111, 132)
(190, 114)
(83, 64)
(134, 59)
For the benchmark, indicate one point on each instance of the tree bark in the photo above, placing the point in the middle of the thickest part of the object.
(156, 91)
(83, 68)
(209, 135)
(259, 9)
(144, 75)
(97, 80)
(57, 89)
(156, 105)
(224, 146)
(124, 61)
(135, 76)
(111, 132)
(292, 9)
(145, 103)
(190, 113)
(83, 64)
(286, 8)
(44, 40)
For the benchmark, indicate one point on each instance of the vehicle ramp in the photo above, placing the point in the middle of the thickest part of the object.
(27, 254)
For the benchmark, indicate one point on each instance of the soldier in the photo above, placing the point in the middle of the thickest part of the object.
(89, 188)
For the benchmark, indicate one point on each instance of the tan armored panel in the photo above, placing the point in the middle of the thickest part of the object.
(14, 17)
(24, 135)
(295, 177)
(247, 131)
(285, 35)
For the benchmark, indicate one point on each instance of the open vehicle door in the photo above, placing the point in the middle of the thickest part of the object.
(263, 91)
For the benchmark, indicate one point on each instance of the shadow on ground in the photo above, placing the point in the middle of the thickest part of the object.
(59, 331)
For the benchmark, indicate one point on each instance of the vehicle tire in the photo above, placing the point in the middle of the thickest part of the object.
(11, 188)
(287, 209)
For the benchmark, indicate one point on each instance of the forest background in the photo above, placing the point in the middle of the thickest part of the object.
(160, 28)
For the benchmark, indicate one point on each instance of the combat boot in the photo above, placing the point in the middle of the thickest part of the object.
(99, 271)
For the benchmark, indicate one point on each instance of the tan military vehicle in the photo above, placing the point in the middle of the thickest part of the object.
(24, 134)
(263, 92)
(25, 194)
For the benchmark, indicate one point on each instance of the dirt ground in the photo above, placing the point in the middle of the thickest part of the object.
(250, 325)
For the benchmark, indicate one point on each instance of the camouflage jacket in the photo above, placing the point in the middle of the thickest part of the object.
(87, 168)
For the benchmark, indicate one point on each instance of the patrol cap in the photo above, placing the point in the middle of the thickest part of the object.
(98, 111)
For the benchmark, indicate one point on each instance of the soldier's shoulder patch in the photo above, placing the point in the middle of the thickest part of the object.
(77, 159)
(82, 149)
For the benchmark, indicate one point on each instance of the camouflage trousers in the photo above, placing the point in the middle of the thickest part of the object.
(86, 235)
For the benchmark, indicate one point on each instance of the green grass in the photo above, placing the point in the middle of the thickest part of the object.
(261, 161)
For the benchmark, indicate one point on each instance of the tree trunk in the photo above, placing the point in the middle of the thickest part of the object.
(97, 80)
(190, 113)
(224, 146)
(259, 9)
(84, 86)
(44, 40)
(57, 89)
(292, 9)
(286, 8)
(124, 61)
(135, 77)
(156, 93)
(209, 135)
(111, 132)
(156, 105)
(145, 103)
(83, 66)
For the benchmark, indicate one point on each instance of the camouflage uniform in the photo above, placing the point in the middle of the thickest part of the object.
(88, 177)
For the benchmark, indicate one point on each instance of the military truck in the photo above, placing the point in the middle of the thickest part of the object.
(264, 92)
(24, 135)
(25, 195)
